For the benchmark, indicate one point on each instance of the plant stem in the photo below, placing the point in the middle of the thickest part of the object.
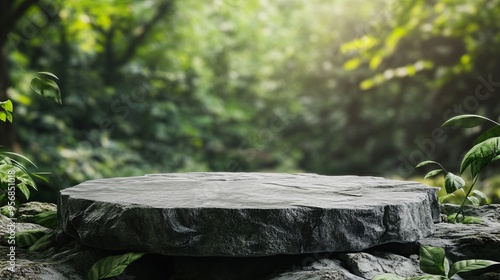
(460, 210)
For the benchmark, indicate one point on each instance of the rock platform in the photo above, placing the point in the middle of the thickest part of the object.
(246, 214)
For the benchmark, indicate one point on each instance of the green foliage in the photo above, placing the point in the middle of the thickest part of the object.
(25, 239)
(486, 150)
(194, 86)
(39, 240)
(47, 87)
(425, 30)
(467, 121)
(433, 262)
(112, 266)
(433, 173)
(8, 211)
(465, 219)
(43, 243)
(469, 265)
(452, 182)
(13, 174)
(47, 219)
(475, 197)
(6, 113)
(481, 155)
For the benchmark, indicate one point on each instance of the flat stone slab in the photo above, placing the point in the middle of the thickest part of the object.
(246, 214)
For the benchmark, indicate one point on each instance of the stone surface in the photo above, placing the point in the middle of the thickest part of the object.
(69, 259)
(246, 214)
(28, 210)
(368, 265)
(321, 269)
(470, 241)
(7, 224)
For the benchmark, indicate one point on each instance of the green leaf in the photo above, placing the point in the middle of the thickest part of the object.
(40, 176)
(112, 266)
(473, 200)
(432, 260)
(388, 276)
(425, 163)
(444, 197)
(8, 211)
(24, 189)
(452, 218)
(432, 173)
(8, 106)
(47, 88)
(49, 74)
(481, 155)
(26, 179)
(490, 133)
(472, 220)
(27, 238)
(467, 121)
(475, 168)
(465, 220)
(469, 265)
(483, 198)
(47, 219)
(446, 266)
(453, 182)
(43, 243)
(3, 116)
(21, 156)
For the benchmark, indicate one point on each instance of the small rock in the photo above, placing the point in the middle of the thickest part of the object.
(322, 269)
(318, 275)
(368, 265)
(28, 210)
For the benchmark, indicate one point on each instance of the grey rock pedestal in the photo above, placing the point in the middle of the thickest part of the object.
(246, 214)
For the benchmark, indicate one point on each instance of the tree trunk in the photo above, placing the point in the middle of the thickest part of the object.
(10, 13)
(7, 135)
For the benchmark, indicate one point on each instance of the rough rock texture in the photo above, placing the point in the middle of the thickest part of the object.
(69, 259)
(28, 210)
(321, 269)
(246, 214)
(66, 260)
(368, 265)
(469, 241)
(363, 265)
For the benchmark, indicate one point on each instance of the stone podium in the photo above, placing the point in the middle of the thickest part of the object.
(246, 214)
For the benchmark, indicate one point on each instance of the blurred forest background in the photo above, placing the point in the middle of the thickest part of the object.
(333, 87)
